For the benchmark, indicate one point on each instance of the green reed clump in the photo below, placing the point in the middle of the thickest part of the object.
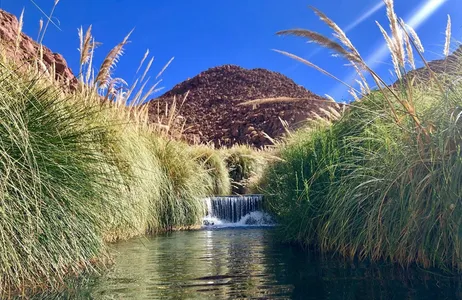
(368, 187)
(52, 186)
(384, 180)
(76, 172)
(140, 186)
(216, 167)
(244, 165)
(188, 183)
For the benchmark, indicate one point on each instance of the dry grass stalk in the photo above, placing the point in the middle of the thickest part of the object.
(448, 37)
(142, 60)
(18, 36)
(165, 67)
(148, 67)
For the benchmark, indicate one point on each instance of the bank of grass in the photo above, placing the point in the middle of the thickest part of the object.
(383, 181)
(245, 165)
(77, 172)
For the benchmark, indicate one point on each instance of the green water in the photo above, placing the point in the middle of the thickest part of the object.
(250, 264)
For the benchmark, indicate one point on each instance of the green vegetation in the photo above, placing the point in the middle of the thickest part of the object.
(384, 180)
(245, 165)
(77, 172)
(214, 163)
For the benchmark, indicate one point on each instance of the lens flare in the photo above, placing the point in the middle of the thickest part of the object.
(415, 21)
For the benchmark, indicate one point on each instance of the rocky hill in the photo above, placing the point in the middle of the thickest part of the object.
(214, 112)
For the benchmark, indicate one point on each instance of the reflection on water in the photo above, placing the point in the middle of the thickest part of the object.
(250, 264)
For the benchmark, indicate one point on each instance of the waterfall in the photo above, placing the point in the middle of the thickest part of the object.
(243, 210)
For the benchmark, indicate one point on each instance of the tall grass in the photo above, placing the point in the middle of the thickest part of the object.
(80, 169)
(244, 165)
(383, 181)
(52, 186)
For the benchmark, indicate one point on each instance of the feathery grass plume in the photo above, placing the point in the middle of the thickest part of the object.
(165, 67)
(338, 33)
(448, 37)
(391, 44)
(40, 28)
(415, 41)
(359, 63)
(335, 111)
(114, 87)
(142, 60)
(409, 50)
(85, 47)
(415, 38)
(364, 85)
(105, 71)
(148, 67)
(320, 39)
(355, 96)
(152, 90)
(363, 88)
(90, 75)
(20, 25)
(396, 35)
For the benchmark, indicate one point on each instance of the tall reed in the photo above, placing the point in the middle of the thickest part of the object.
(383, 181)
(82, 168)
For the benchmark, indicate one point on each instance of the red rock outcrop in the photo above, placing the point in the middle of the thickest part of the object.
(28, 50)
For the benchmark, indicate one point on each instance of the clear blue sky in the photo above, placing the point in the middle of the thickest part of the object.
(206, 33)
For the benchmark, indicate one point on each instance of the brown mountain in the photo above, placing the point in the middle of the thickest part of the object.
(213, 110)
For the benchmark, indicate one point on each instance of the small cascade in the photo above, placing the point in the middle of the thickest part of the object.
(238, 210)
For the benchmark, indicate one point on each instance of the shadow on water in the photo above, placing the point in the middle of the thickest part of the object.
(248, 264)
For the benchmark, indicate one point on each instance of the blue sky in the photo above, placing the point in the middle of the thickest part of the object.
(206, 33)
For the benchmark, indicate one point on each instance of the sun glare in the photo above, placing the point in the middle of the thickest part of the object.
(415, 21)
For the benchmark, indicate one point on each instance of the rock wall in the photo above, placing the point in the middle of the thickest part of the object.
(28, 50)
